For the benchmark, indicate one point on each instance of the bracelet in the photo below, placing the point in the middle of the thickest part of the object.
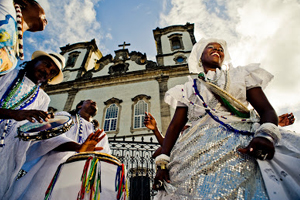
(163, 166)
(162, 160)
(269, 131)
(265, 135)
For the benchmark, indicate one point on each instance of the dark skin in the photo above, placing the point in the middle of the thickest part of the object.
(286, 119)
(41, 71)
(34, 18)
(88, 145)
(255, 96)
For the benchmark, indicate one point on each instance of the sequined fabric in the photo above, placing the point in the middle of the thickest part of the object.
(205, 164)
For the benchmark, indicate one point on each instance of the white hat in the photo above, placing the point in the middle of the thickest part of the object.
(198, 48)
(59, 61)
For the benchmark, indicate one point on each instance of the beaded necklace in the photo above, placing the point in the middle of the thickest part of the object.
(9, 100)
(20, 51)
(79, 129)
(207, 110)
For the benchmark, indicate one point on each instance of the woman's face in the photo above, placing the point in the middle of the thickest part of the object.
(213, 54)
(44, 70)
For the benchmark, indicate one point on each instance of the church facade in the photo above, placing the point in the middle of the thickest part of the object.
(125, 85)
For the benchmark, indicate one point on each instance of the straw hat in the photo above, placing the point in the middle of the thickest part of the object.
(59, 61)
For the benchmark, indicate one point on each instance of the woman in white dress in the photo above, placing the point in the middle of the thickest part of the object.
(215, 159)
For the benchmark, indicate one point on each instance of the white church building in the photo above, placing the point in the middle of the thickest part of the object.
(125, 85)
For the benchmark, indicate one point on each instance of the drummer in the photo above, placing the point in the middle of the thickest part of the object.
(22, 99)
(41, 173)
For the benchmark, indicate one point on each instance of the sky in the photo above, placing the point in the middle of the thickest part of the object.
(256, 31)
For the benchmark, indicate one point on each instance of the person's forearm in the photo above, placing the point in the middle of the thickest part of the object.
(269, 116)
(158, 136)
(176, 125)
(6, 113)
(68, 146)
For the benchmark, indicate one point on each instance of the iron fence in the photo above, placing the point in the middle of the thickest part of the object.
(137, 158)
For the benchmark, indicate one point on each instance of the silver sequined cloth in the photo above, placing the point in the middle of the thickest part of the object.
(205, 164)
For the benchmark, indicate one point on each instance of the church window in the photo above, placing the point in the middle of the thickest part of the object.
(111, 118)
(139, 107)
(139, 114)
(111, 115)
(176, 42)
(72, 59)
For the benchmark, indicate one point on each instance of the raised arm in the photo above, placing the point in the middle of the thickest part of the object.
(151, 124)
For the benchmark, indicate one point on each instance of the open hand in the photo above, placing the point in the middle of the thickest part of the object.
(91, 142)
(286, 119)
(260, 148)
(150, 122)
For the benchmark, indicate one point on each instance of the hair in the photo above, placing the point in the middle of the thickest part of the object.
(76, 110)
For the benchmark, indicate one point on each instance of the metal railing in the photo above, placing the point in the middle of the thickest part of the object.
(137, 158)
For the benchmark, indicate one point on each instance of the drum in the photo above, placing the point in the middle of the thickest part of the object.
(40, 131)
(89, 175)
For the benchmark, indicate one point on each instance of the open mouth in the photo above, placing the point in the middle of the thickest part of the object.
(215, 54)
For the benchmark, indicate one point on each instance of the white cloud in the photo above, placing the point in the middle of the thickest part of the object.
(109, 36)
(69, 21)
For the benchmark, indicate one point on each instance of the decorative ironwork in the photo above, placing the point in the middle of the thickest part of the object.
(137, 157)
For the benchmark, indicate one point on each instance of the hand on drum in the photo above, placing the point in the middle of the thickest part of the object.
(32, 115)
(91, 142)
(260, 148)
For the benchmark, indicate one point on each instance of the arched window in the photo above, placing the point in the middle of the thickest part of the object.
(111, 115)
(111, 118)
(176, 42)
(139, 114)
(141, 104)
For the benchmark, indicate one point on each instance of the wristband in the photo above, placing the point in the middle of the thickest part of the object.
(269, 131)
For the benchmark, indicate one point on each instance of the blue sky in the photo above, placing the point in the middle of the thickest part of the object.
(265, 32)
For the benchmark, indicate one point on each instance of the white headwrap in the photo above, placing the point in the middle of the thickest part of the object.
(197, 51)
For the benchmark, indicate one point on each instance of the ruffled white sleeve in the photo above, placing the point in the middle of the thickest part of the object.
(256, 76)
(177, 96)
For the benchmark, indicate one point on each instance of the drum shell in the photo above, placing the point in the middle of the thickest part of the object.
(68, 183)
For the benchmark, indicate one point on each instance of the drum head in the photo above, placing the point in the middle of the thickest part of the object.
(53, 127)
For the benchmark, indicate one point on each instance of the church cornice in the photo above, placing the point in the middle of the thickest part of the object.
(112, 80)
(81, 45)
(169, 29)
(171, 54)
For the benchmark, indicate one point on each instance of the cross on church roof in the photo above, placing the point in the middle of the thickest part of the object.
(123, 45)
